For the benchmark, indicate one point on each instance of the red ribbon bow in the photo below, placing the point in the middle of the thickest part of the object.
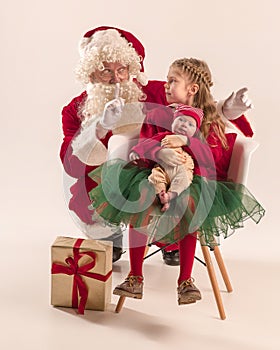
(73, 268)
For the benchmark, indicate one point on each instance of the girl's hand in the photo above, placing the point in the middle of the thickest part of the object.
(174, 141)
(171, 156)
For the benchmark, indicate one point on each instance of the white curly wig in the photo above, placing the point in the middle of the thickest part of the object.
(107, 46)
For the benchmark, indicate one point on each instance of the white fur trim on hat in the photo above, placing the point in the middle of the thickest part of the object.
(142, 78)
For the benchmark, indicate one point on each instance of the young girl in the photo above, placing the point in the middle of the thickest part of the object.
(208, 208)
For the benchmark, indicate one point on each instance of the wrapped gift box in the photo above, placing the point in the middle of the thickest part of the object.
(81, 273)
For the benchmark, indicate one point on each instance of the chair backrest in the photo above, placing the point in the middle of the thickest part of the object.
(119, 146)
(241, 157)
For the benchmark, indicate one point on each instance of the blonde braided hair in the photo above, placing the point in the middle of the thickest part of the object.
(199, 73)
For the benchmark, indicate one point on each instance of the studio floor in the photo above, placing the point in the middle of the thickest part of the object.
(29, 322)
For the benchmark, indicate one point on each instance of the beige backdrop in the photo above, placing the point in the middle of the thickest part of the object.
(240, 41)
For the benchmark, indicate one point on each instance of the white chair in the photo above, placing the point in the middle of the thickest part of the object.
(241, 158)
(238, 172)
(120, 145)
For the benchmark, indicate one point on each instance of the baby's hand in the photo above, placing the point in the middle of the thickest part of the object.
(133, 156)
(171, 157)
(173, 141)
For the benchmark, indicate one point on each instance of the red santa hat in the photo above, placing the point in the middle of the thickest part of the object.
(193, 112)
(112, 44)
(139, 48)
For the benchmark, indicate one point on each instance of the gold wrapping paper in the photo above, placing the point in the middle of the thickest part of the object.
(99, 292)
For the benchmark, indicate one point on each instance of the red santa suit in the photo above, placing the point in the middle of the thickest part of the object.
(71, 124)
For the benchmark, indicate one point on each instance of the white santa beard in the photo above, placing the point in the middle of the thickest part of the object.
(99, 94)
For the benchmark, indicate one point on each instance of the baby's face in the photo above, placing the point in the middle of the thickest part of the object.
(184, 125)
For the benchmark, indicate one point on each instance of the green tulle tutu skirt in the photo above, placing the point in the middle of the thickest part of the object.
(211, 208)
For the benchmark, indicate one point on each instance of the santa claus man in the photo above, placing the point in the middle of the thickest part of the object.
(112, 72)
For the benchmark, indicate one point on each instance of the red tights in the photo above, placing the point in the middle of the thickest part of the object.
(137, 244)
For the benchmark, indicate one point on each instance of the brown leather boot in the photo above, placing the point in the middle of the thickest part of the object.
(188, 293)
(132, 287)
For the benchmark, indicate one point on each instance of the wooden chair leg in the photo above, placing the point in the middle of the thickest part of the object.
(146, 250)
(120, 304)
(213, 280)
(212, 276)
(222, 268)
(122, 298)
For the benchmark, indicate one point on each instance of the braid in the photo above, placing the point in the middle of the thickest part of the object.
(198, 72)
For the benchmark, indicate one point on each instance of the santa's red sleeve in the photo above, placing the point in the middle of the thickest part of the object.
(71, 124)
(243, 125)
